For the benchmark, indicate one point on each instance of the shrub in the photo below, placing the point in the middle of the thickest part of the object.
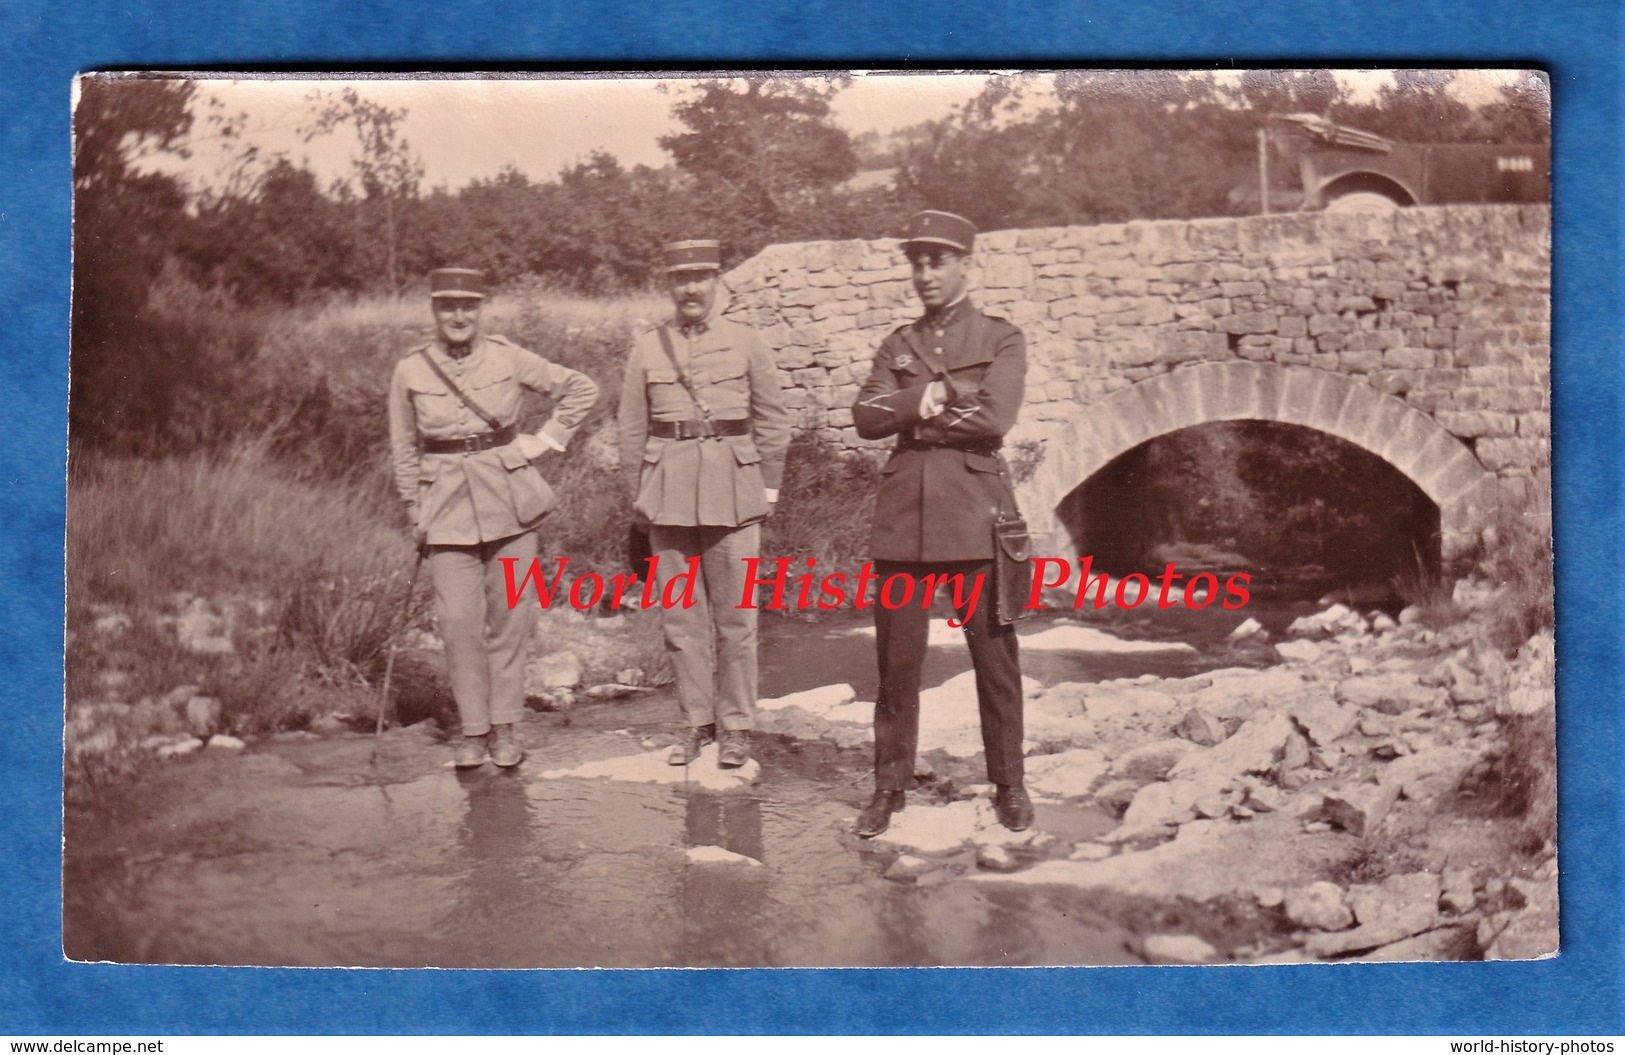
(824, 506)
(1516, 554)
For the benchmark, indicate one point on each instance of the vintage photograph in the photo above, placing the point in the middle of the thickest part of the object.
(852, 519)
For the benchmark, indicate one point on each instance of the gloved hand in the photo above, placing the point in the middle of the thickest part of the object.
(531, 446)
(935, 400)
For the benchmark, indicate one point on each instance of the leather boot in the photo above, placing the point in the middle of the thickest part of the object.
(687, 751)
(1013, 808)
(470, 753)
(505, 750)
(734, 750)
(876, 817)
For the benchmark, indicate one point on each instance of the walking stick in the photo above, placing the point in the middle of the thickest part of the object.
(389, 664)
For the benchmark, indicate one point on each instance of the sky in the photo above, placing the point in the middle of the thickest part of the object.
(467, 129)
(470, 128)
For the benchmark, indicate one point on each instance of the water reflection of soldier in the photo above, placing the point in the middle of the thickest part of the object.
(474, 496)
(703, 435)
(496, 853)
(728, 920)
(948, 386)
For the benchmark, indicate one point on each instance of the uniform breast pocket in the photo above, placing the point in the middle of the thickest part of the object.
(667, 397)
(437, 410)
(967, 377)
(725, 386)
(910, 375)
(497, 395)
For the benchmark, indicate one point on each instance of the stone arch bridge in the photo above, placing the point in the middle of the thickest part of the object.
(1421, 335)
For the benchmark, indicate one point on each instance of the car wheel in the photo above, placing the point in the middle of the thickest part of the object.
(1362, 201)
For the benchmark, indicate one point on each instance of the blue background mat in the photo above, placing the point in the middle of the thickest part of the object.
(1578, 44)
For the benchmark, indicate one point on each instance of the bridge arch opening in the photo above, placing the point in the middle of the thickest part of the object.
(1413, 443)
(1302, 512)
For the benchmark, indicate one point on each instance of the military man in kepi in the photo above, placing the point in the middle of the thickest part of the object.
(475, 497)
(948, 386)
(703, 435)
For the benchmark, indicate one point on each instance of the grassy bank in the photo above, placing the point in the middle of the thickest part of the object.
(272, 591)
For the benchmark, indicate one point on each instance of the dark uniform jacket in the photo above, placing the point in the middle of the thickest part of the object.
(945, 482)
(719, 481)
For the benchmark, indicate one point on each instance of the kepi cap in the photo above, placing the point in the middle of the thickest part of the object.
(457, 282)
(697, 255)
(934, 227)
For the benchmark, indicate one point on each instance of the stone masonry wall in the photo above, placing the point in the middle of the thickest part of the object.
(1434, 320)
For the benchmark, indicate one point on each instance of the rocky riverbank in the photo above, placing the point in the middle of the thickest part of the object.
(1383, 790)
(1353, 800)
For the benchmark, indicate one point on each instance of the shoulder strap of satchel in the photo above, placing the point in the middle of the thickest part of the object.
(682, 376)
(933, 362)
(492, 423)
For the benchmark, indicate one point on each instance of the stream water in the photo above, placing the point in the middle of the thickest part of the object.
(322, 851)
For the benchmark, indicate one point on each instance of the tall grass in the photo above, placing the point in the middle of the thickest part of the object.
(236, 519)
(308, 577)
(824, 507)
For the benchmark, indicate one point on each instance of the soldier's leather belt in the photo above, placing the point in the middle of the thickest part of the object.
(484, 441)
(695, 428)
(968, 446)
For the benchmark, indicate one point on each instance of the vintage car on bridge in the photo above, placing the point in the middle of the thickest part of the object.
(1346, 169)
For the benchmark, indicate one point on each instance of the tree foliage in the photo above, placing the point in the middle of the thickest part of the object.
(764, 156)
(1160, 144)
(125, 224)
(386, 170)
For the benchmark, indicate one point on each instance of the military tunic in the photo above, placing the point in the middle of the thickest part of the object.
(705, 497)
(944, 483)
(463, 499)
(940, 492)
(719, 481)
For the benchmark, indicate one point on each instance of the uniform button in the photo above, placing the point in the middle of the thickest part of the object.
(939, 333)
(938, 351)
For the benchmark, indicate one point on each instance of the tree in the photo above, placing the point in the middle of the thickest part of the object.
(124, 225)
(279, 239)
(1523, 111)
(494, 224)
(1418, 107)
(1110, 146)
(763, 153)
(386, 169)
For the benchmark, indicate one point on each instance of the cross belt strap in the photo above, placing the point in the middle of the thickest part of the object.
(479, 411)
(695, 429)
(682, 375)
